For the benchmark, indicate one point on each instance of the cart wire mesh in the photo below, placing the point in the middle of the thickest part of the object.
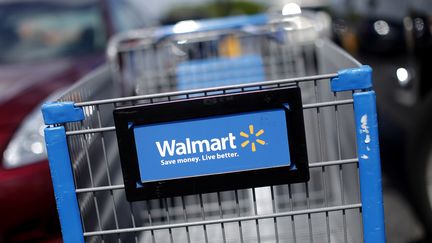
(325, 209)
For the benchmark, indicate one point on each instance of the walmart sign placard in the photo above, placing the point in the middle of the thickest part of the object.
(220, 144)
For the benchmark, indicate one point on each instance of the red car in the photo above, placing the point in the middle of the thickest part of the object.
(45, 46)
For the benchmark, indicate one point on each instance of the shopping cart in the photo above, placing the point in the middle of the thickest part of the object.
(195, 60)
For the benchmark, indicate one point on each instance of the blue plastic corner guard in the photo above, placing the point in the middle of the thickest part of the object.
(369, 166)
(64, 188)
(352, 79)
(61, 112)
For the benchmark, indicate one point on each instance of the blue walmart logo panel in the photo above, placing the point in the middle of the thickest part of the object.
(221, 144)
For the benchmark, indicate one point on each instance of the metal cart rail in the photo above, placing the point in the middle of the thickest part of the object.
(342, 201)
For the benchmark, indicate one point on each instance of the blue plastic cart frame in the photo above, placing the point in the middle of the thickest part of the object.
(57, 113)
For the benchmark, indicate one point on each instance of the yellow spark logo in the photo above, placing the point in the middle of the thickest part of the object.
(251, 133)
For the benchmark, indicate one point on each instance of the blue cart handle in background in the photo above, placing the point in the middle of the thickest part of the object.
(193, 26)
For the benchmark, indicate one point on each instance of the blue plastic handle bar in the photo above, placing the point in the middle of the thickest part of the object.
(61, 167)
(191, 26)
(64, 188)
(369, 166)
(367, 148)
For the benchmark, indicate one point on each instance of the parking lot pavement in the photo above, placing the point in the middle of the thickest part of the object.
(401, 224)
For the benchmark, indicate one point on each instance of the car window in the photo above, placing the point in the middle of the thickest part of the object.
(125, 17)
(41, 31)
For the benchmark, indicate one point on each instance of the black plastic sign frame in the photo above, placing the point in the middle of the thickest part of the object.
(206, 107)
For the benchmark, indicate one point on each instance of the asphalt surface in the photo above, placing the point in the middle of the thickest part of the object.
(401, 224)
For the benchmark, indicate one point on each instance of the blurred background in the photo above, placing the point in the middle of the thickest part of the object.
(47, 45)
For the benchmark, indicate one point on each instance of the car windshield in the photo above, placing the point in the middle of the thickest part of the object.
(40, 31)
